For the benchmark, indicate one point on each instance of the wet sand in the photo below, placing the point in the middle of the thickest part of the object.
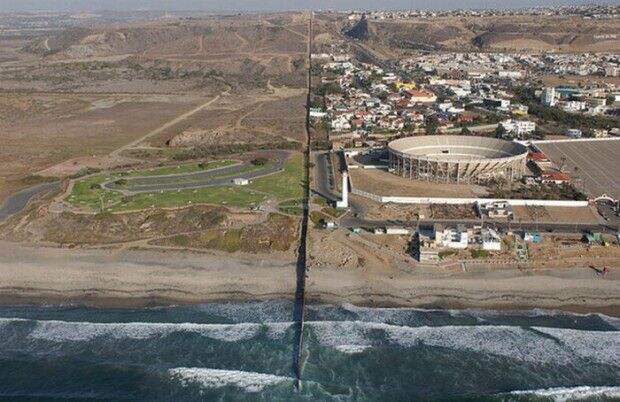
(133, 278)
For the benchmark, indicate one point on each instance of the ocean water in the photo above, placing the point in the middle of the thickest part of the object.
(244, 352)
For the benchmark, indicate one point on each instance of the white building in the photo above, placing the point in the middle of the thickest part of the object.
(509, 74)
(240, 181)
(491, 240)
(342, 58)
(452, 238)
(600, 133)
(612, 71)
(317, 113)
(573, 133)
(548, 96)
(518, 127)
(394, 230)
(573, 106)
(494, 210)
(340, 124)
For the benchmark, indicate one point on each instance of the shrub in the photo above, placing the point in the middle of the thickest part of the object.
(261, 161)
(180, 240)
(480, 253)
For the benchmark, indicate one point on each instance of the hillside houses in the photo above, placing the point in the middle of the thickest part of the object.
(448, 92)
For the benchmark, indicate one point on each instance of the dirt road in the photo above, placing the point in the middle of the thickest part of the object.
(167, 125)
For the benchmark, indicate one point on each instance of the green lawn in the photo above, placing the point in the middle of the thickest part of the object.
(223, 195)
(182, 168)
(88, 193)
(283, 185)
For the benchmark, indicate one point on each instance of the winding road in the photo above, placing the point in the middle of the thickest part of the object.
(19, 200)
(207, 178)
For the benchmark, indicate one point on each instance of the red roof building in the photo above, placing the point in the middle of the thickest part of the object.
(553, 176)
(537, 156)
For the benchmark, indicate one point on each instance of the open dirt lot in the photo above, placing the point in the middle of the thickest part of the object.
(585, 215)
(595, 163)
(70, 97)
(42, 130)
(384, 183)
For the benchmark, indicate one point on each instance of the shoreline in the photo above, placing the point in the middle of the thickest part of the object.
(360, 300)
(113, 278)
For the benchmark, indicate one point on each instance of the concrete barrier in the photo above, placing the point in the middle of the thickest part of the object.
(575, 140)
(461, 201)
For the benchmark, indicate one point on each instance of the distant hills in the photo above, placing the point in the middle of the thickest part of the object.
(514, 33)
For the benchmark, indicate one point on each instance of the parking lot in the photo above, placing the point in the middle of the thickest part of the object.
(597, 162)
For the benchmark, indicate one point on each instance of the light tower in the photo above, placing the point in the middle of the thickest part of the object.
(344, 203)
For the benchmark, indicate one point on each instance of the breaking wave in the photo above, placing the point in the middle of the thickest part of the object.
(572, 394)
(213, 378)
(533, 344)
(530, 344)
(62, 331)
(351, 353)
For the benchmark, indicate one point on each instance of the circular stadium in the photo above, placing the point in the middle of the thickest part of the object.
(456, 159)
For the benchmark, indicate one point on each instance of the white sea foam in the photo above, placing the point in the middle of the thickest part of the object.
(7, 321)
(574, 393)
(519, 343)
(396, 314)
(602, 346)
(351, 349)
(258, 311)
(538, 344)
(84, 331)
(212, 378)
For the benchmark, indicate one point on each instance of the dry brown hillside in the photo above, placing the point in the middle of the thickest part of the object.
(532, 33)
(70, 97)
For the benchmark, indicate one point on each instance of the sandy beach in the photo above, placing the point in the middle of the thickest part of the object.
(132, 278)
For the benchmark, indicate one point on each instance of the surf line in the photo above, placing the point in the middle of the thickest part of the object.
(301, 266)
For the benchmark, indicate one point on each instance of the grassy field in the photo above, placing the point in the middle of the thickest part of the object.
(223, 195)
(89, 193)
(282, 186)
(182, 168)
(291, 207)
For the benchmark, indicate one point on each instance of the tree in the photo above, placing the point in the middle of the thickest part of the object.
(465, 131)
(431, 124)
(500, 131)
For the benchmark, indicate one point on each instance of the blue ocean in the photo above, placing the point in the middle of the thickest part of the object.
(245, 352)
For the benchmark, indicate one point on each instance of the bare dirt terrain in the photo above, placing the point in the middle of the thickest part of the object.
(390, 38)
(586, 215)
(384, 183)
(69, 97)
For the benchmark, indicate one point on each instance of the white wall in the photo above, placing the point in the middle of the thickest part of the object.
(458, 201)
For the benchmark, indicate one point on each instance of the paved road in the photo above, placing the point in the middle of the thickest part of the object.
(324, 184)
(323, 176)
(18, 201)
(208, 178)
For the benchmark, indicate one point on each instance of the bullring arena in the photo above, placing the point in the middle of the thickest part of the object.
(456, 159)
